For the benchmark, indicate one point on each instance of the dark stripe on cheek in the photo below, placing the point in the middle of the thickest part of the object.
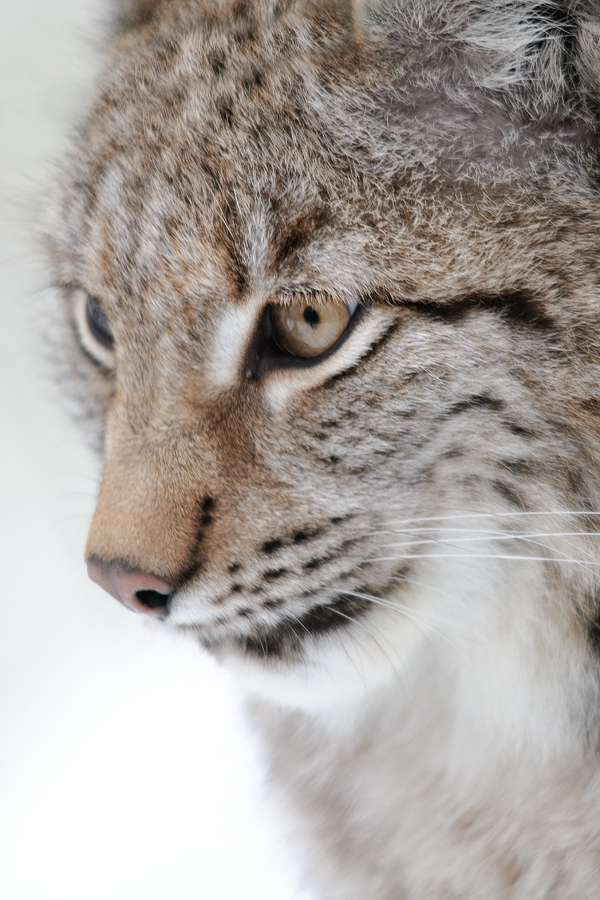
(475, 401)
(509, 493)
(284, 641)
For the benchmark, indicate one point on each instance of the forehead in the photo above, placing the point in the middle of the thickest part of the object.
(213, 160)
(229, 161)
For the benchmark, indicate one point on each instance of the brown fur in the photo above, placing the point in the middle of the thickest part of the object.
(439, 162)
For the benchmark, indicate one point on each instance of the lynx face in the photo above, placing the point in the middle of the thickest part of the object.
(331, 298)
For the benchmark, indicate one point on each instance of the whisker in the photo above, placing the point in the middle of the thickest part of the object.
(451, 622)
(579, 562)
(409, 610)
(494, 515)
(472, 540)
(403, 611)
(489, 532)
(465, 576)
(355, 621)
(402, 579)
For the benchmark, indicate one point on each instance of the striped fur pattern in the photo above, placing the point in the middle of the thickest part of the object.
(396, 545)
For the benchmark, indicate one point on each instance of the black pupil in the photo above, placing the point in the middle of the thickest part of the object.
(311, 316)
(98, 323)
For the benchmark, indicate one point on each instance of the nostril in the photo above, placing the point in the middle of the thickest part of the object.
(138, 590)
(153, 599)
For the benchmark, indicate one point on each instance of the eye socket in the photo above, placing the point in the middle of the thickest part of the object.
(98, 323)
(309, 325)
(94, 331)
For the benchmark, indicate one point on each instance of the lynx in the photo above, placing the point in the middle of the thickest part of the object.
(330, 305)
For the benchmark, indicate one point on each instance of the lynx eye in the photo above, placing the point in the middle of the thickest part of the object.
(94, 331)
(310, 325)
(98, 323)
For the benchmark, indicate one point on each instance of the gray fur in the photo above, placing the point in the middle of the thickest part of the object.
(432, 723)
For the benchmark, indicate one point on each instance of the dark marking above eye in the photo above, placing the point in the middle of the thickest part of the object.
(297, 235)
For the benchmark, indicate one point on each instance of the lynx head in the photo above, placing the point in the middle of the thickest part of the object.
(331, 293)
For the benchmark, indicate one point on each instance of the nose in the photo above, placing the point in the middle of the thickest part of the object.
(137, 590)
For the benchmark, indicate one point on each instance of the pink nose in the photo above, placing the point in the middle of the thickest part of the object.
(140, 592)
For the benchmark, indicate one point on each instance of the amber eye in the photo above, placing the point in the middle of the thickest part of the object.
(309, 326)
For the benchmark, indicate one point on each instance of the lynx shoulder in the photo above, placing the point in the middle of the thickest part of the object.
(330, 280)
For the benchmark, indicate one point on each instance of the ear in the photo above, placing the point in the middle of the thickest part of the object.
(539, 57)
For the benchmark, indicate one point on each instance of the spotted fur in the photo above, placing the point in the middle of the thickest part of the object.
(395, 545)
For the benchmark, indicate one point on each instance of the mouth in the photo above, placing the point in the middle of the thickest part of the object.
(281, 637)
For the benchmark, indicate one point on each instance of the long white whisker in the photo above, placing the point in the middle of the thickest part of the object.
(488, 533)
(579, 562)
(403, 611)
(355, 621)
(409, 610)
(492, 515)
(471, 540)
(465, 576)
(402, 579)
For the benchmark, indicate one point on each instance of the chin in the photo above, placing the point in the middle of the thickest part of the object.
(328, 675)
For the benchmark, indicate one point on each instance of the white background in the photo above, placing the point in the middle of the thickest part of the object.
(125, 769)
